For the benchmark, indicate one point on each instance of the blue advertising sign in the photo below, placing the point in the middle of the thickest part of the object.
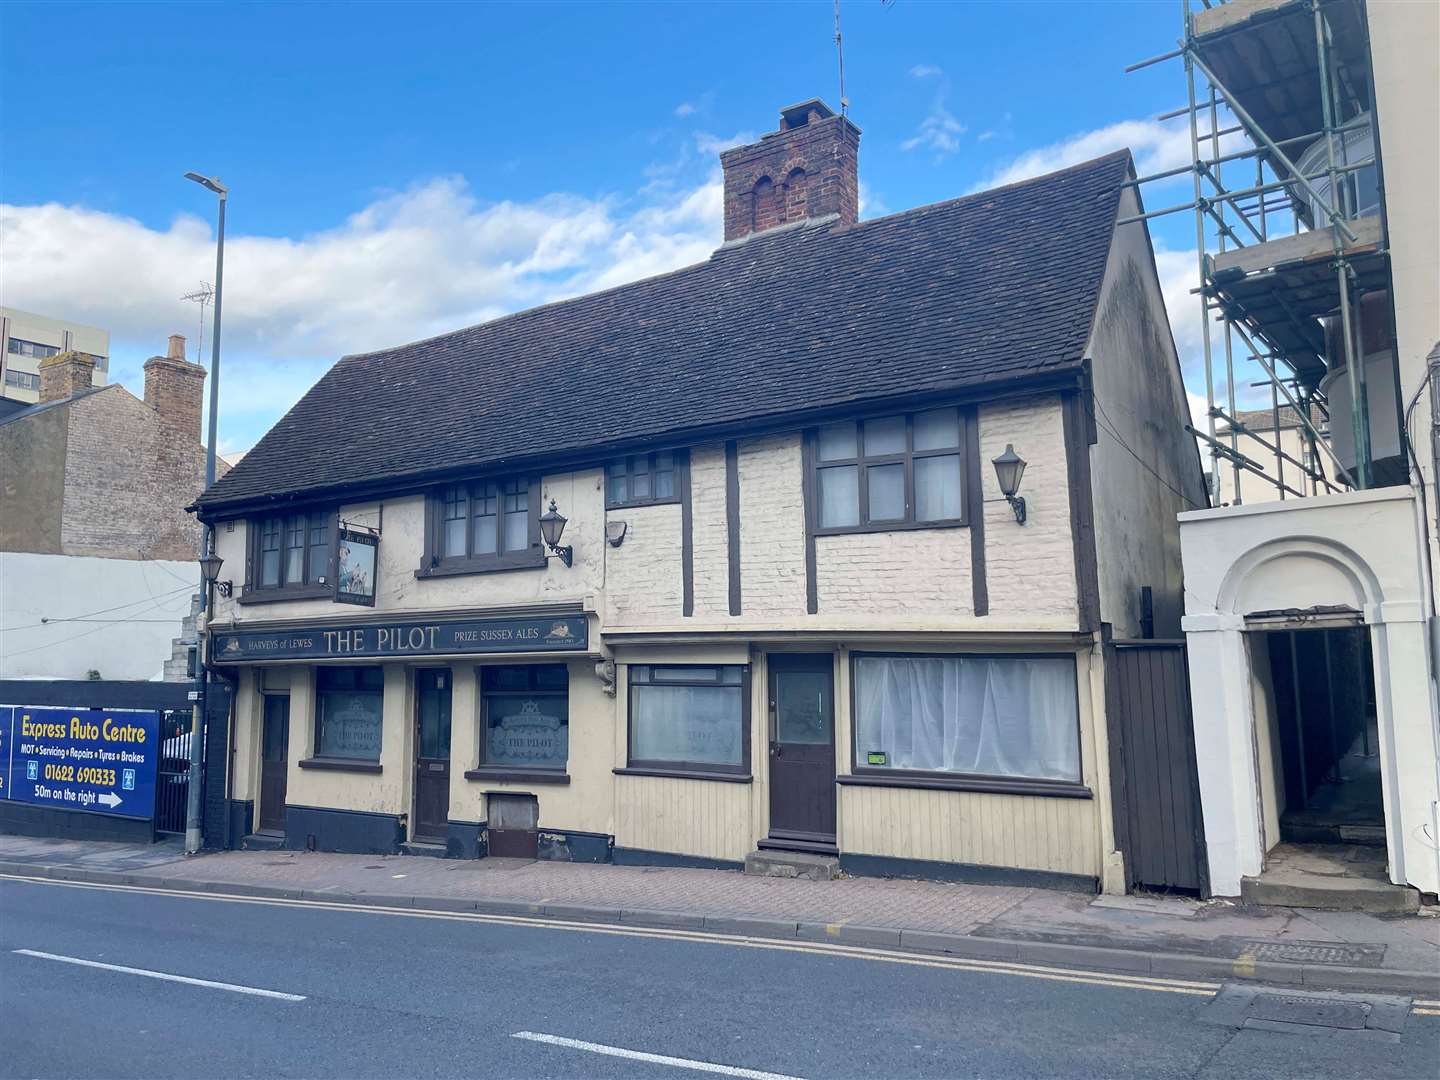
(101, 760)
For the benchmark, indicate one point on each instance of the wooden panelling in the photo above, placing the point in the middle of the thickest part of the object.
(1024, 831)
(685, 817)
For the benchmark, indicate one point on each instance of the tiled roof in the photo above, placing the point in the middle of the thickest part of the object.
(993, 287)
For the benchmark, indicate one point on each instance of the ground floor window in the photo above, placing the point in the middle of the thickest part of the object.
(689, 718)
(349, 706)
(525, 716)
(967, 716)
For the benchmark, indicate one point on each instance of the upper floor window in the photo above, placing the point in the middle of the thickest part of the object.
(643, 480)
(890, 472)
(487, 525)
(292, 551)
(21, 347)
(22, 379)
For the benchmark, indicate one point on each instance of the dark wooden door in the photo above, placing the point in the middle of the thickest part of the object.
(802, 752)
(432, 753)
(274, 762)
(1154, 781)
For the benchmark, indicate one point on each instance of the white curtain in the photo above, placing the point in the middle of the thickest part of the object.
(970, 715)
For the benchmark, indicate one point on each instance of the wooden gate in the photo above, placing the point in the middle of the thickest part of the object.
(1153, 779)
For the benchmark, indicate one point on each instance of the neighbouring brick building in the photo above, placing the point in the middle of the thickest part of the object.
(93, 488)
(793, 608)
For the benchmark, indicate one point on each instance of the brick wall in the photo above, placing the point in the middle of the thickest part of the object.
(64, 374)
(642, 576)
(810, 168)
(708, 528)
(128, 479)
(1030, 568)
(903, 574)
(772, 527)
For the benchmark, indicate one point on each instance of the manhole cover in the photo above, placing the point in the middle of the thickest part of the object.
(1315, 952)
(1315, 1012)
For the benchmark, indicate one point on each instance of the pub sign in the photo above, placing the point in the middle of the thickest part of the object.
(400, 640)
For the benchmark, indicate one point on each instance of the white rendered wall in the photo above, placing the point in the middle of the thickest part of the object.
(1355, 550)
(132, 611)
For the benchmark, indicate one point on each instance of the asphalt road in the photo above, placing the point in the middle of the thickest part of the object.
(395, 995)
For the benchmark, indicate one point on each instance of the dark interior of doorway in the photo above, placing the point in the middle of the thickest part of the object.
(1323, 688)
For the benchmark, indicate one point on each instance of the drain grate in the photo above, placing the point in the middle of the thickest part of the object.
(1318, 952)
(1312, 1011)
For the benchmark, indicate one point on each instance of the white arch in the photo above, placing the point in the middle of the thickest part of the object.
(1356, 571)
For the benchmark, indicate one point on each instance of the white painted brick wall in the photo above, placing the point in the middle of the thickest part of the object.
(908, 573)
(1030, 568)
(707, 499)
(772, 527)
(642, 576)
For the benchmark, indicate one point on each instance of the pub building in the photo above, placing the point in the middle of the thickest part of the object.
(804, 548)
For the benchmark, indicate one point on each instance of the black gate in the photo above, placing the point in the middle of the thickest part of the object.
(1153, 778)
(172, 775)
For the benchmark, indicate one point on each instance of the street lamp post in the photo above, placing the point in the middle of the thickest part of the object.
(200, 714)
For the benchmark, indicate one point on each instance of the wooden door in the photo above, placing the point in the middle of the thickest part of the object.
(274, 762)
(1153, 777)
(802, 752)
(432, 754)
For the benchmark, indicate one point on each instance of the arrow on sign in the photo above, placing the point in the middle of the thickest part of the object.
(110, 799)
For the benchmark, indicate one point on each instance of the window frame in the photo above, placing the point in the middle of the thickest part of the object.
(878, 776)
(680, 465)
(864, 462)
(693, 770)
(257, 592)
(534, 774)
(435, 564)
(318, 759)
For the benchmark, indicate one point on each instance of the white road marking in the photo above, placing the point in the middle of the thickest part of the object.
(953, 963)
(232, 987)
(654, 1059)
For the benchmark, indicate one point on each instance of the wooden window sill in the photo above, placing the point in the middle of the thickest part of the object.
(249, 595)
(887, 526)
(640, 504)
(685, 774)
(1059, 789)
(521, 560)
(517, 776)
(340, 764)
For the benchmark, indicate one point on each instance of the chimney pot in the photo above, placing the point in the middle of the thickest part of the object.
(174, 388)
(807, 169)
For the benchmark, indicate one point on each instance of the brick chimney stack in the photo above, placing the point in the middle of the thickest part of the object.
(807, 169)
(174, 388)
(65, 374)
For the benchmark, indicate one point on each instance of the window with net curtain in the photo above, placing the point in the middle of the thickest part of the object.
(968, 716)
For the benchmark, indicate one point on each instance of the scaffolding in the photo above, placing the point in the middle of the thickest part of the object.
(1287, 242)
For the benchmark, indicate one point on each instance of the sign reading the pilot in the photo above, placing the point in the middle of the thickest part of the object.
(403, 640)
(355, 568)
(101, 760)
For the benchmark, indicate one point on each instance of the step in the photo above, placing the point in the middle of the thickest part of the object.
(262, 842)
(1300, 890)
(433, 849)
(792, 864)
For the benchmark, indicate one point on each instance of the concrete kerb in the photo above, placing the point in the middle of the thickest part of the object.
(960, 946)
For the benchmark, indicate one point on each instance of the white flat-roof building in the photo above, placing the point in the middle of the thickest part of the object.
(27, 338)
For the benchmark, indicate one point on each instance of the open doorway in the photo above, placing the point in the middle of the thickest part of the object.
(1316, 691)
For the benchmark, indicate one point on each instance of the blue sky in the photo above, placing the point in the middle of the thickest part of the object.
(400, 170)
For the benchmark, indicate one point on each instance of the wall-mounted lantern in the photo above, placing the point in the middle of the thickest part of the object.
(552, 527)
(1009, 468)
(210, 570)
(615, 532)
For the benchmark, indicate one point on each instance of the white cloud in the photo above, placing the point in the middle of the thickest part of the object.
(1157, 146)
(985, 136)
(685, 108)
(432, 258)
(940, 131)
